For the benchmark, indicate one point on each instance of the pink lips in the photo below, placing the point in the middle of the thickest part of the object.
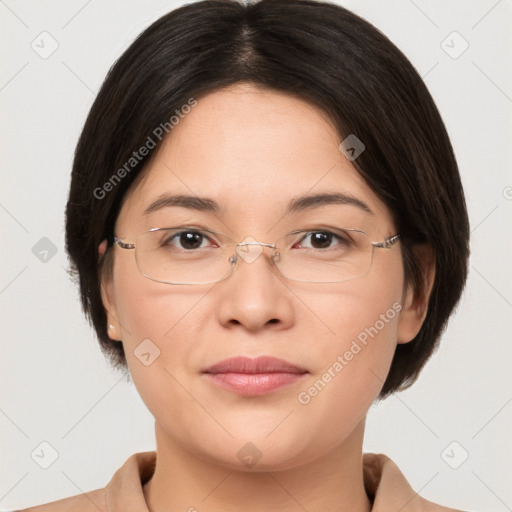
(252, 377)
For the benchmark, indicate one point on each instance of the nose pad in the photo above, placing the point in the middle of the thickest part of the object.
(275, 256)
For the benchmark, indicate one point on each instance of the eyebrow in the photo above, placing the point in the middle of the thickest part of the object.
(295, 205)
(326, 198)
(191, 202)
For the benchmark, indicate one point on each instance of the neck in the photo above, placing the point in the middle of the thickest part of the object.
(184, 481)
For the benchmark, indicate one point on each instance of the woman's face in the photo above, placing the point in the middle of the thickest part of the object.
(253, 152)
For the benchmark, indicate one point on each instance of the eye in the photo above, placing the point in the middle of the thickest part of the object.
(324, 240)
(187, 240)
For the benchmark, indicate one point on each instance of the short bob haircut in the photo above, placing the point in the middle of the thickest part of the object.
(319, 52)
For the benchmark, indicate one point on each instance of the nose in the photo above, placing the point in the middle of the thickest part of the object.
(254, 296)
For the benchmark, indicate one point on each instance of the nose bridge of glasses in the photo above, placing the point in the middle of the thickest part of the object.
(250, 249)
(262, 244)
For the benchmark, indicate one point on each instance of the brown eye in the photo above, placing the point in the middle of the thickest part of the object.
(190, 240)
(323, 240)
(320, 240)
(187, 240)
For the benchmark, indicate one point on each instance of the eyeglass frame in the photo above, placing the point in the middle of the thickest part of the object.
(387, 243)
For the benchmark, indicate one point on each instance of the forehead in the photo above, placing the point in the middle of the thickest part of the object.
(252, 151)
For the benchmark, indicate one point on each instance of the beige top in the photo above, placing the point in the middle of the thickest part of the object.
(385, 484)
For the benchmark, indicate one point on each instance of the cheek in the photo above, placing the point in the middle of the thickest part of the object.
(360, 334)
(337, 396)
(158, 324)
(355, 348)
(162, 342)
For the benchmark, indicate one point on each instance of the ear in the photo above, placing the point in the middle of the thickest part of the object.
(107, 297)
(415, 302)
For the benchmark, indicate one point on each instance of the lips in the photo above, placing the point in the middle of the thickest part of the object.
(262, 364)
(253, 377)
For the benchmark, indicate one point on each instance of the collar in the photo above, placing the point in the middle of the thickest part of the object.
(384, 483)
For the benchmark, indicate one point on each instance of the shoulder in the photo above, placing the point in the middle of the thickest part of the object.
(93, 501)
(388, 487)
(123, 492)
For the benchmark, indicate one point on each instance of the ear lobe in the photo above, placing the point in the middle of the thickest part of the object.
(107, 297)
(101, 249)
(415, 302)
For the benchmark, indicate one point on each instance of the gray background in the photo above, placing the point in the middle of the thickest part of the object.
(56, 386)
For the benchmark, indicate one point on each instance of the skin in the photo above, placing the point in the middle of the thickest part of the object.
(253, 150)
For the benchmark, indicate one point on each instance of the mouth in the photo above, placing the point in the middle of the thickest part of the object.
(254, 376)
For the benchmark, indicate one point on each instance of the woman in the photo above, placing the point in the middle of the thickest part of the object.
(260, 221)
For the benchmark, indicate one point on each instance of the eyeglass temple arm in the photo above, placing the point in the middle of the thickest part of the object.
(387, 243)
(123, 245)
